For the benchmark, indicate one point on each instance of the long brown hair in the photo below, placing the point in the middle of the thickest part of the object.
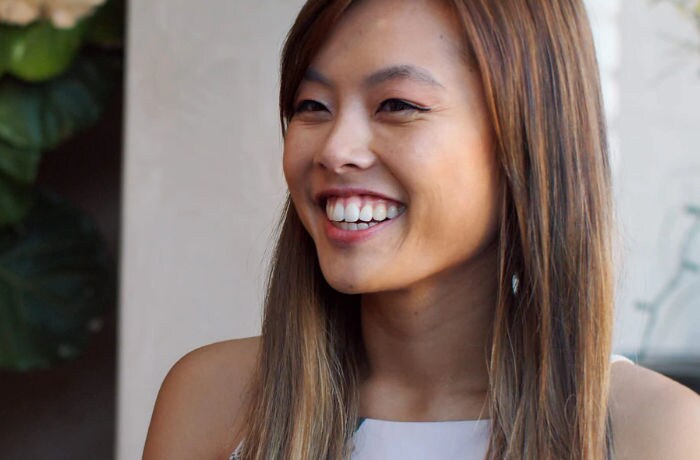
(551, 340)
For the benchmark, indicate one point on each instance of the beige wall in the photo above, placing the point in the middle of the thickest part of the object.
(203, 181)
(202, 185)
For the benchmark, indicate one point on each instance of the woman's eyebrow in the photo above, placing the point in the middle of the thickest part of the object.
(395, 72)
(402, 72)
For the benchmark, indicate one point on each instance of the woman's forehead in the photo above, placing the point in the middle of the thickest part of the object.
(382, 39)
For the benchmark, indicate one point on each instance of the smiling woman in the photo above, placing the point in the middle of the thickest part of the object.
(438, 154)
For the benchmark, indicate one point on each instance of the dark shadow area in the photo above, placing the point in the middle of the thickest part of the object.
(68, 411)
(682, 369)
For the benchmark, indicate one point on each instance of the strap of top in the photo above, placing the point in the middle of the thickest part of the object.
(615, 358)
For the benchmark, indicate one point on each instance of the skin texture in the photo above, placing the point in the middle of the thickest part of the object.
(428, 281)
(195, 412)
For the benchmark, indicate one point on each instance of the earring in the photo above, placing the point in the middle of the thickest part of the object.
(515, 282)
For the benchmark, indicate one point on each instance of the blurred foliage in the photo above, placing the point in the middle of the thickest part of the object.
(35, 118)
(39, 51)
(56, 280)
(18, 168)
(55, 276)
(43, 116)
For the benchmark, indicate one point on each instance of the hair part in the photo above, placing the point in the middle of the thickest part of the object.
(549, 356)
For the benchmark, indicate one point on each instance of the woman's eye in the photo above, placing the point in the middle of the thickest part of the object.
(397, 105)
(309, 106)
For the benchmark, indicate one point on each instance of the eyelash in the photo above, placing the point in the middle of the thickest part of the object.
(406, 105)
(306, 102)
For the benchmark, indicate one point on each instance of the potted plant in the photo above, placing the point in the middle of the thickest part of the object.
(59, 62)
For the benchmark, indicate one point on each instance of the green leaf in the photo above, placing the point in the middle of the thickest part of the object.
(19, 117)
(18, 169)
(40, 116)
(15, 200)
(56, 280)
(19, 164)
(39, 51)
(5, 51)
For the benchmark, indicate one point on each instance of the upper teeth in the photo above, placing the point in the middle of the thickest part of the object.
(364, 208)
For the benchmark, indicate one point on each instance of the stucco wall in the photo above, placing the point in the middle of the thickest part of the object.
(202, 185)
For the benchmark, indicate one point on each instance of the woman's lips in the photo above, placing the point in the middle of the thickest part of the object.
(352, 218)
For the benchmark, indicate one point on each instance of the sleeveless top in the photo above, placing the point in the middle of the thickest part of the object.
(377, 439)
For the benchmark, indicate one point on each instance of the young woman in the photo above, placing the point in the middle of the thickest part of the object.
(442, 285)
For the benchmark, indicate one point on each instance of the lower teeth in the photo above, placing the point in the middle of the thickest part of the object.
(354, 226)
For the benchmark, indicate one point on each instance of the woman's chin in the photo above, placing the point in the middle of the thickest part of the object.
(349, 283)
(347, 286)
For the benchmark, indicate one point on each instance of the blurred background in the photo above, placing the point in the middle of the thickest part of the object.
(141, 177)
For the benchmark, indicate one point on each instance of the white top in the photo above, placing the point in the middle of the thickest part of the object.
(455, 439)
(391, 440)
(447, 440)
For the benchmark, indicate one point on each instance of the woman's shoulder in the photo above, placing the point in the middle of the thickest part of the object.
(195, 414)
(653, 416)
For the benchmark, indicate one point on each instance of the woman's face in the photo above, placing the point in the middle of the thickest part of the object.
(389, 157)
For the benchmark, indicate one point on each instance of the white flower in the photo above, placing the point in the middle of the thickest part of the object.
(19, 12)
(63, 13)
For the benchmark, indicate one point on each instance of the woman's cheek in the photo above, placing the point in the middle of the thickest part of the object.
(292, 162)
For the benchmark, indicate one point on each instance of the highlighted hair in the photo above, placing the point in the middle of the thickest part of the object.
(550, 343)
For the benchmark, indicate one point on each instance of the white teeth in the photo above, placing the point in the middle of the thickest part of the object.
(352, 212)
(338, 212)
(355, 226)
(366, 213)
(352, 209)
(379, 212)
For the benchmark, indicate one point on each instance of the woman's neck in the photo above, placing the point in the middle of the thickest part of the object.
(426, 346)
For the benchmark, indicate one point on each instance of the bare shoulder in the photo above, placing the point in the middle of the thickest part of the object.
(195, 412)
(653, 416)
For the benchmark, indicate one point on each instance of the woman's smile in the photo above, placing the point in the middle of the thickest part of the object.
(348, 213)
(355, 218)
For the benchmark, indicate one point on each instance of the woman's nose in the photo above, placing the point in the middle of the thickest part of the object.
(347, 145)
